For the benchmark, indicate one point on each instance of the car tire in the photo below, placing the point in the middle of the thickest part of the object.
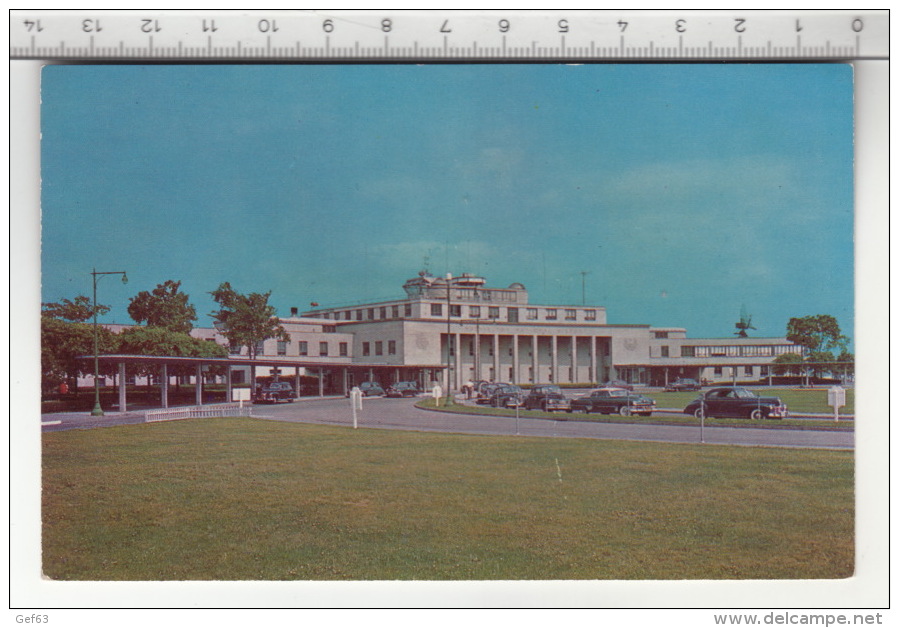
(698, 413)
(757, 415)
(585, 410)
(624, 411)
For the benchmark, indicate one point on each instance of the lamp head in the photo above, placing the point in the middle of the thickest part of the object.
(124, 278)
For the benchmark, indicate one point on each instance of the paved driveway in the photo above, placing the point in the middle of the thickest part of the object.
(402, 414)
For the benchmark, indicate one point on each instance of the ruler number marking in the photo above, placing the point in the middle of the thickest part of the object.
(33, 26)
(444, 28)
(150, 26)
(266, 26)
(563, 26)
(504, 25)
(740, 25)
(622, 25)
(386, 25)
(680, 26)
(857, 25)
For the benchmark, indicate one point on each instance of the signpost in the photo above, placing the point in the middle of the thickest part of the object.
(836, 397)
(356, 404)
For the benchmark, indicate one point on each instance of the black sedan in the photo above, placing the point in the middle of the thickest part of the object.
(507, 396)
(614, 401)
(682, 384)
(371, 389)
(276, 392)
(403, 389)
(736, 402)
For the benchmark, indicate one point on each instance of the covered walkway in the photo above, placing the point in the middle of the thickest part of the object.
(341, 377)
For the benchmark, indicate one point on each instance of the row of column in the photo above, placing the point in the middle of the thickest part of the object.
(598, 366)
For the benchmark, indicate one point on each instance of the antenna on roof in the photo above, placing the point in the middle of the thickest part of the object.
(744, 323)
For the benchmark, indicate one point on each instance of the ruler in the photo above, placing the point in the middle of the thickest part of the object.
(447, 36)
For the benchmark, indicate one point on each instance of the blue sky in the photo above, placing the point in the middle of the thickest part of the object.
(684, 191)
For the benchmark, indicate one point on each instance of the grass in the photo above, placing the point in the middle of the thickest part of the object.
(237, 498)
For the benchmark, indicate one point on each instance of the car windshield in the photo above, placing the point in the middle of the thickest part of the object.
(742, 393)
(552, 389)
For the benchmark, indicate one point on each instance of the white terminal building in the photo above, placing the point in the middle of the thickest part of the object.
(453, 329)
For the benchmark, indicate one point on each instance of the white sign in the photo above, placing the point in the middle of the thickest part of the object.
(240, 394)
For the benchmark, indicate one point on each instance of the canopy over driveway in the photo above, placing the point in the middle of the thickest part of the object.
(347, 369)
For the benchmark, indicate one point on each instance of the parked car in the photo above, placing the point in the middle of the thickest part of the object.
(371, 389)
(276, 392)
(736, 402)
(547, 398)
(485, 392)
(682, 384)
(507, 396)
(618, 383)
(403, 389)
(614, 401)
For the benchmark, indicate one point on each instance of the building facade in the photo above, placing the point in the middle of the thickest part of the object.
(451, 330)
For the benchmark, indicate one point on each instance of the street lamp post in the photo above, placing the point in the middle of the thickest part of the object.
(98, 410)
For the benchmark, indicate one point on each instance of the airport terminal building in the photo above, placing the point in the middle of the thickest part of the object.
(450, 330)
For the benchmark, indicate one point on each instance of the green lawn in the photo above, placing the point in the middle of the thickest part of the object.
(237, 498)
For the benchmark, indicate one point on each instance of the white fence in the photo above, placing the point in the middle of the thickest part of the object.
(197, 412)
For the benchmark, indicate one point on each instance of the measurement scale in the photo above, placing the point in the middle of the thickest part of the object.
(448, 36)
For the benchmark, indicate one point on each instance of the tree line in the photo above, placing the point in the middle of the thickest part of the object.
(164, 316)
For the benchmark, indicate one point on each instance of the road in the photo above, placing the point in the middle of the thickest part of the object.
(402, 414)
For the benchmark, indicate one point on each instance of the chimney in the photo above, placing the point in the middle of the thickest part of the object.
(293, 312)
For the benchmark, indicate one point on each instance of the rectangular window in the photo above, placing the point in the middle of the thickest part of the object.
(329, 329)
(590, 315)
(747, 370)
(384, 312)
(455, 310)
(688, 352)
(366, 348)
(665, 351)
(719, 370)
(474, 311)
(395, 311)
(532, 314)
(570, 315)
(551, 314)
(358, 315)
(304, 347)
(371, 313)
(282, 347)
(344, 349)
(660, 334)
(260, 348)
(512, 314)
(493, 312)
(436, 309)
(323, 348)
(379, 347)
(391, 347)
(407, 310)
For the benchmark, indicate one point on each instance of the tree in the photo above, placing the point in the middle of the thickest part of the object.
(246, 320)
(788, 364)
(162, 341)
(78, 311)
(817, 333)
(62, 342)
(164, 307)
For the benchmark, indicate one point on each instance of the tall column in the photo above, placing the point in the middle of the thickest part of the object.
(228, 384)
(165, 385)
(123, 407)
(199, 386)
(496, 375)
(534, 362)
(516, 377)
(457, 379)
(321, 382)
(594, 377)
(297, 381)
(574, 359)
(554, 350)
